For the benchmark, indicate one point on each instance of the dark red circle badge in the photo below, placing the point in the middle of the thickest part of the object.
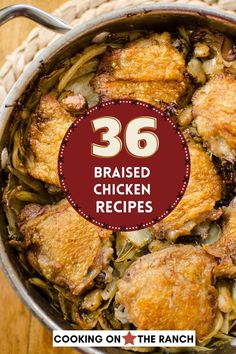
(124, 165)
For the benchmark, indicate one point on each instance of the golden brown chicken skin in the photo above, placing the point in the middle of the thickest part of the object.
(214, 110)
(203, 190)
(64, 247)
(170, 290)
(225, 248)
(48, 127)
(148, 69)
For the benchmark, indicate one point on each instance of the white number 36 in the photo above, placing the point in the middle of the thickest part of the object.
(138, 141)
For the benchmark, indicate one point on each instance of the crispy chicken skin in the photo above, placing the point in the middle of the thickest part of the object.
(170, 290)
(214, 110)
(225, 248)
(64, 247)
(148, 69)
(48, 127)
(203, 190)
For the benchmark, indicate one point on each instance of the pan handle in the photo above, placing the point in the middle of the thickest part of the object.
(43, 18)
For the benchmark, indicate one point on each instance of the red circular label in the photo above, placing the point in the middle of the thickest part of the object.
(124, 165)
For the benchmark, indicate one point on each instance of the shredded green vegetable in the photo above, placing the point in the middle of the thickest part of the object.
(87, 55)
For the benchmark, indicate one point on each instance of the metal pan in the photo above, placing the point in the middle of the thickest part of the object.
(155, 16)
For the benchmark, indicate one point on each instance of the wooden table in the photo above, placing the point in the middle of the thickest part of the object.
(20, 332)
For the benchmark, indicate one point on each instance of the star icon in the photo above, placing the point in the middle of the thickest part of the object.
(129, 338)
